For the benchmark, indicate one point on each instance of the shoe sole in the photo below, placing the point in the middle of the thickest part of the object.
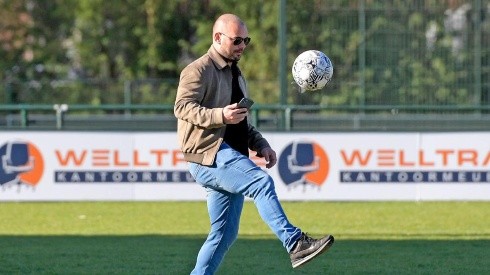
(319, 251)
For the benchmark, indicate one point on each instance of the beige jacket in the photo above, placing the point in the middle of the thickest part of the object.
(204, 89)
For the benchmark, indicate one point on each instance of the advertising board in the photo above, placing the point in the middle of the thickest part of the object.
(69, 166)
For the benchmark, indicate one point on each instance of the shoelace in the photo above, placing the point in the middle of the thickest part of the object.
(306, 238)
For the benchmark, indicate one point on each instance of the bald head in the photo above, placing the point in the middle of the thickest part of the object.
(226, 21)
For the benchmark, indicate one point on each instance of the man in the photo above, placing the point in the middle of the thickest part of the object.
(215, 138)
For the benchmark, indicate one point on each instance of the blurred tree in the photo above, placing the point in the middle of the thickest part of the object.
(384, 53)
(31, 36)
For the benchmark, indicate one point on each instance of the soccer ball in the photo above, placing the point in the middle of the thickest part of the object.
(312, 70)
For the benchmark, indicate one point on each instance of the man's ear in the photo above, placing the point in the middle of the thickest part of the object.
(217, 38)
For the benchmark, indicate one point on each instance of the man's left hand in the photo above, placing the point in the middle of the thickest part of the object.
(270, 156)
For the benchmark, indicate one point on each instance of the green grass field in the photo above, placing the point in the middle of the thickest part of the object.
(164, 238)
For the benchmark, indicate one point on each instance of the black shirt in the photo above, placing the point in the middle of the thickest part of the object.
(236, 135)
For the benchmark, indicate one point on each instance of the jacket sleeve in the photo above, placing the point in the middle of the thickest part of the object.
(189, 100)
(256, 141)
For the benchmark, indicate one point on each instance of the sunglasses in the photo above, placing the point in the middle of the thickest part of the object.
(238, 40)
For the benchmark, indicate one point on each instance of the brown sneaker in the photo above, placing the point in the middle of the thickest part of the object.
(307, 248)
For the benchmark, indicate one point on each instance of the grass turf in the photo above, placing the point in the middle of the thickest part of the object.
(164, 238)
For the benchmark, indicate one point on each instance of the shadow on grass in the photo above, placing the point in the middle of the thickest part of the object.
(159, 254)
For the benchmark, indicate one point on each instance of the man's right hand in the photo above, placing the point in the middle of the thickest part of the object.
(233, 115)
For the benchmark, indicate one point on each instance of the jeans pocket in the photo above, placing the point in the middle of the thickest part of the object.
(203, 175)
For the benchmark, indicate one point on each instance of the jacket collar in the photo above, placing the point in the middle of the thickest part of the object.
(217, 58)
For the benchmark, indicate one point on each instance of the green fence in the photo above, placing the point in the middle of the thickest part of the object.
(265, 117)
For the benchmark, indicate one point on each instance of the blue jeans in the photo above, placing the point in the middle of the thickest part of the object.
(227, 181)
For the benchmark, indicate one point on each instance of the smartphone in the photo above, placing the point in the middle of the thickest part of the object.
(245, 103)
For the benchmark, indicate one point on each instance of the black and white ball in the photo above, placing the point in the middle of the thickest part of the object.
(312, 70)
